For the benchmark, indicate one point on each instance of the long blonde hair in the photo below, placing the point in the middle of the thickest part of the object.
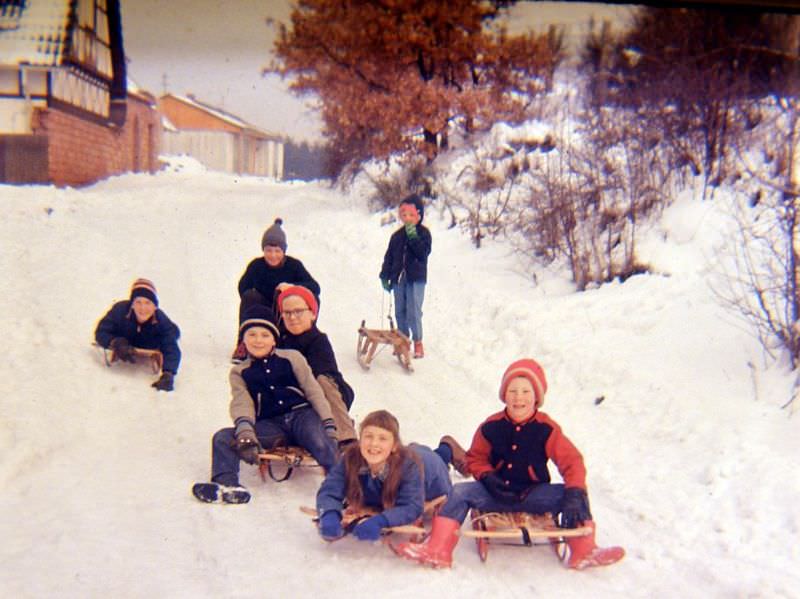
(354, 462)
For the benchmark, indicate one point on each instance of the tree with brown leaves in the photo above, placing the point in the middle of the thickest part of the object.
(399, 76)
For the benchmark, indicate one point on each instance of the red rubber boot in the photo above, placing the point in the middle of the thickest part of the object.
(437, 550)
(584, 553)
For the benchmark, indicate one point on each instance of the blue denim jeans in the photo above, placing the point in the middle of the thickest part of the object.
(543, 498)
(408, 298)
(301, 427)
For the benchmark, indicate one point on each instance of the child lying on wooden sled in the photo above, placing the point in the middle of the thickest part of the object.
(138, 323)
(508, 459)
(383, 475)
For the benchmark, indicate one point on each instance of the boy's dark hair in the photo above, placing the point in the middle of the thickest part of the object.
(417, 202)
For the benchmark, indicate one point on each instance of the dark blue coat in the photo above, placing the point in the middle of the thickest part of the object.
(409, 256)
(157, 333)
(317, 350)
(264, 278)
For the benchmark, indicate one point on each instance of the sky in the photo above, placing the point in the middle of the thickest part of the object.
(217, 50)
(692, 462)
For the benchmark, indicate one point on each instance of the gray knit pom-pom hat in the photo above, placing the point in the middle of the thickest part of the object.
(274, 236)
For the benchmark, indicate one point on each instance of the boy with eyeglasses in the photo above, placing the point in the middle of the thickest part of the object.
(298, 309)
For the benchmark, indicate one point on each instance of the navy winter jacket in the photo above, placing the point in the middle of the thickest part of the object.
(157, 333)
(317, 350)
(409, 256)
(264, 278)
(263, 388)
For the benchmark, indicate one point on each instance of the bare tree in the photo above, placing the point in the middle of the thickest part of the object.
(762, 281)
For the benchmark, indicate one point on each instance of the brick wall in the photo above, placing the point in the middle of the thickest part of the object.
(82, 151)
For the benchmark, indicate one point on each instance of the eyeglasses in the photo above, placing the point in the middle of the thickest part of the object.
(294, 313)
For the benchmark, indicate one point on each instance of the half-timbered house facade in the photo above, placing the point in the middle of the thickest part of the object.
(67, 113)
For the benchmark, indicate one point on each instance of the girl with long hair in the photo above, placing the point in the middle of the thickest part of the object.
(382, 475)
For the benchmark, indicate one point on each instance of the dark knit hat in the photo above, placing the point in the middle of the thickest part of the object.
(300, 291)
(530, 370)
(144, 288)
(416, 201)
(259, 316)
(274, 236)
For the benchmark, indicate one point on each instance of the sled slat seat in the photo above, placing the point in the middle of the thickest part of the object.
(520, 526)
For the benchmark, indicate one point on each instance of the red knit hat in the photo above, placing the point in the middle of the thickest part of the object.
(530, 370)
(301, 291)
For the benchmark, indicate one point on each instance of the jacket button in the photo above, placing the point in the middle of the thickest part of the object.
(519, 428)
(272, 386)
(509, 466)
(514, 447)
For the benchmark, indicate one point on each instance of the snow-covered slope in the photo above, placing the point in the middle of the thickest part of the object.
(692, 463)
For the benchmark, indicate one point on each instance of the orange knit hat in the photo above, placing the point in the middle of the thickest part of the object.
(529, 369)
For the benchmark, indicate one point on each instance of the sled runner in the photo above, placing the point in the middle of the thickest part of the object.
(370, 339)
(518, 526)
(153, 357)
(288, 457)
(351, 518)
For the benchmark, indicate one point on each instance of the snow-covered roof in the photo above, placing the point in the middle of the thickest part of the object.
(137, 90)
(221, 114)
(33, 32)
(167, 124)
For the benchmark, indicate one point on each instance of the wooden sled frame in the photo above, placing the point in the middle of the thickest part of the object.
(291, 457)
(521, 527)
(153, 357)
(351, 518)
(370, 339)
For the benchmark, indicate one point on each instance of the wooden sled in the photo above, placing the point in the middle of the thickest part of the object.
(351, 518)
(518, 526)
(289, 457)
(370, 339)
(153, 357)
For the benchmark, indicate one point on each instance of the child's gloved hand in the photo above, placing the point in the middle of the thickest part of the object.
(574, 508)
(411, 231)
(166, 382)
(122, 349)
(247, 445)
(497, 488)
(370, 529)
(387, 284)
(330, 526)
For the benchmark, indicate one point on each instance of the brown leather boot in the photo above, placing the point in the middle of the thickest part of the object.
(419, 352)
(459, 460)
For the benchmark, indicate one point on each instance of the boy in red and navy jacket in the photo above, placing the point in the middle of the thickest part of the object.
(508, 458)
